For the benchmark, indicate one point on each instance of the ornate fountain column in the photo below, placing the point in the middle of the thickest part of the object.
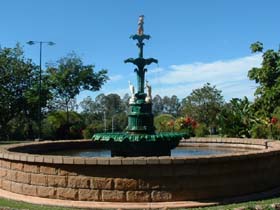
(140, 117)
(140, 138)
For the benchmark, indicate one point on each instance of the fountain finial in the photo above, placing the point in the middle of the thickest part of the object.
(140, 30)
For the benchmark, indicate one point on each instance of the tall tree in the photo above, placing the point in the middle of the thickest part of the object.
(268, 77)
(171, 105)
(18, 91)
(70, 76)
(204, 104)
(157, 105)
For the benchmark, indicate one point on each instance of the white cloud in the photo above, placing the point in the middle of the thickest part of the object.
(155, 71)
(230, 76)
(114, 78)
(217, 71)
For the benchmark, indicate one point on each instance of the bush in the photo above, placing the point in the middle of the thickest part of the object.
(55, 126)
(201, 130)
(185, 125)
(260, 131)
(164, 123)
(92, 129)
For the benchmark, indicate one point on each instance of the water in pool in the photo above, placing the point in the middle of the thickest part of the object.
(177, 152)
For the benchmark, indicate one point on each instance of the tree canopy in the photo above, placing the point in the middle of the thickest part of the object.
(204, 104)
(268, 78)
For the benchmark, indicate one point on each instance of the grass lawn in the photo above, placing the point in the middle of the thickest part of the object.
(266, 205)
(5, 203)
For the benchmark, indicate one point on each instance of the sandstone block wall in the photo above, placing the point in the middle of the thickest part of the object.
(140, 179)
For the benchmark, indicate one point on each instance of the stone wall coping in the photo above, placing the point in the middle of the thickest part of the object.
(263, 147)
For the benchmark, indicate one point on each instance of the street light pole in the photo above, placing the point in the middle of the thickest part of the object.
(40, 83)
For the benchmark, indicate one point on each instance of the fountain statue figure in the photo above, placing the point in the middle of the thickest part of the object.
(148, 98)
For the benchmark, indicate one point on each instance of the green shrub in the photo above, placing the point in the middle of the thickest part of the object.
(164, 123)
(201, 130)
(92, 129)
(260, 131)
(55, 126)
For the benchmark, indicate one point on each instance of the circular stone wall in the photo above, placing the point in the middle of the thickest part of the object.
(140, 179)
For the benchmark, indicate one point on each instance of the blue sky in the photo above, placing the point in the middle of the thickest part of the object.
(195, 41)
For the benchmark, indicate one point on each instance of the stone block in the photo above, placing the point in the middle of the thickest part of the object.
(161, 196)
(6, 185)
(113, 195)
(103, 161)
(17, 166)
(79, 182)
(138, 196)
(30, 158)
(152, 160)
(125, 184)
(89, 195)
(48, 159)
(79, 160)
(91, 161)
(67, 170)
(58, 160)
(3, 172)
(46, 192)
(11, 175)
(23, 177)
(127, 161)
(39, 159)
(68, 160)
(67, 194)
(102, 183)
(23, 157)
(57, 181)
(143, 184)
(48, 170)
(139, 161)
(29, 190)
(164, 160)
(38, 179)
(115, 161)
(6, 164)
(16, 187)
(30, 168)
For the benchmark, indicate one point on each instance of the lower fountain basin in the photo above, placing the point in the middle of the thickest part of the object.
(26, 169)
(135, 145)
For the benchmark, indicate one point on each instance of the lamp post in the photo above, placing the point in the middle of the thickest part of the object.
(40, 81)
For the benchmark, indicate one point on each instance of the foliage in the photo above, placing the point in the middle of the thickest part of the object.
(203, 105)
(157, 105)
(256, 47)
(164, 123)
(69, 77)
(18, 93)
(236, 118)
(109, 107)
(268, 77)
(201, 130)
(275, 124)
(171, 105)
(259, 130)
(92, 129)
(55, 126)
(186, 125)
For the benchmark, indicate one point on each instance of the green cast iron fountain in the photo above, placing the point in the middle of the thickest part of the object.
(140, 138)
